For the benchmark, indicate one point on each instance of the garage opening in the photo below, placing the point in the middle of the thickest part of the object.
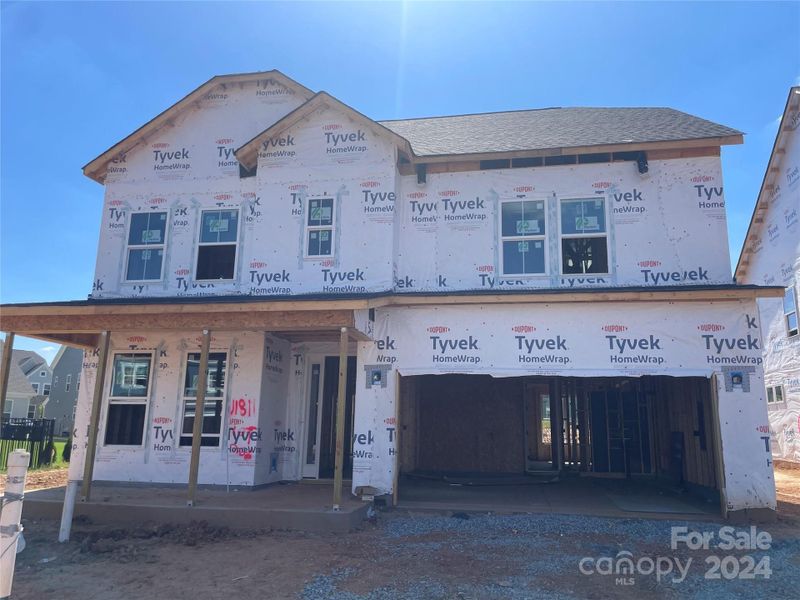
(528, 440)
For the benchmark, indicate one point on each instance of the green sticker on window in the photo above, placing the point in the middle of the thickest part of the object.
(528, 226)
(585, 223)
(522, 247)
(151, 236)
(218, 225)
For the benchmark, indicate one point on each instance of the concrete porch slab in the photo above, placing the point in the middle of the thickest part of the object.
(292, 506)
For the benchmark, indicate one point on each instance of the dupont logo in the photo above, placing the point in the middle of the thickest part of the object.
(157, 201)
(438, 329)
(390, 420)
(298, 187)
(249, 195)
(523, 189)
(523, 329)
(417, 195)
(701, 179)
(115, 203)
(614, 328)
(162, 421)
(449, 193)
(710, 327)
(223, 141)
(199, 339)
(159, 146)
(182, 272)
(601, 185)
(485, 269)
(137, 339)
(649, 263)
(326, 263)
(258, 264)
(331, 127)
(222, 197)
(370, 184)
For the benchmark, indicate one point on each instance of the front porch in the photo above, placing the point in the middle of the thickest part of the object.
(300, 506)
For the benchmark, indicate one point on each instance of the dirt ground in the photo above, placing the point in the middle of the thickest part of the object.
(41, 479)
(397, 555)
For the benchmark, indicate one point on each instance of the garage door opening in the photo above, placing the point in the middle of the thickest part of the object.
(532, 440)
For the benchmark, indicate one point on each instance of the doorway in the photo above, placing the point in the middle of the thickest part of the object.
(320, 438)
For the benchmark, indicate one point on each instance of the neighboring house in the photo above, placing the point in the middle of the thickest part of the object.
(36, 369)
(771, 256)
(21, 401)
(60, 406)
(514, 292)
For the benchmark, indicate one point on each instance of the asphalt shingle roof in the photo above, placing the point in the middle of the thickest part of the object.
(17, 382)
(551, 128)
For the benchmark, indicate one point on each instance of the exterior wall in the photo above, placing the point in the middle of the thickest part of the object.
(578, 340)
(36, 377)
(19, 406)
(61, 402)
(776, 261)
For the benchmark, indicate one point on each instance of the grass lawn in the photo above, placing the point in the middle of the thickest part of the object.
(58, 460)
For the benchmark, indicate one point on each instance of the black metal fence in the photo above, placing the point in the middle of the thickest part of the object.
(33, 435)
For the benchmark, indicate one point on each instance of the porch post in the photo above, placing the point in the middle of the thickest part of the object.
(199, 411)
(5, 370)
(341, 401)
(97, 400)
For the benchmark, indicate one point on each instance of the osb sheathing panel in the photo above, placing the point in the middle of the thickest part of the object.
(470, 424)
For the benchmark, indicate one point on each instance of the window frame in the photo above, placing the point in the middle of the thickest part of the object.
(9, 409)
(235, 244)
(31, 405)
(791, 290)
(773, 391)
(35, 386)
(129, 247)
(523, 238)
(184, 398)
(309, 228)
(605, 234)
(46, 389)
(68, 382)
(111, 399)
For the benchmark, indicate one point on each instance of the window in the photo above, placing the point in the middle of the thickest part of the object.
(216, 254)
(790, 310)
(43, 374)
(7, 408)
(319, 227)
(69, 381)
(46, 389)
(35, 387)
(584, 240)
(775, 394)
(55, 380)
(146, 238)
(522, 234)
(215, 392)
(31, 410)
(127, 403)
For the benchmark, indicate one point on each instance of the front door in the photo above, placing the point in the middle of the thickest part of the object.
(538, 438)
(320, 441)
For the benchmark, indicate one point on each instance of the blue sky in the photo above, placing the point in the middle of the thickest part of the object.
(77, 77)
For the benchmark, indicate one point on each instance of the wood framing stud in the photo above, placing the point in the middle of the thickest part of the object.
(5, 370)
(97, 401)
(341, 401)
(199, 410)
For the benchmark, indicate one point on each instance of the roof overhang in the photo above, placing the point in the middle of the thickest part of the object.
(96, 168)
(247, 154)
(768, 184)
(79, 323)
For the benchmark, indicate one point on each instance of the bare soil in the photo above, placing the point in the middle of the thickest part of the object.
(41, 479)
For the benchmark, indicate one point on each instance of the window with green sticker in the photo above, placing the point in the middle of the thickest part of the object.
(523, 237)
(584, 237)
(146, 242)
(319, 227)
(216, 252)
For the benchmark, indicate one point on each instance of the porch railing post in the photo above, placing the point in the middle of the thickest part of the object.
(5, 370)
(199, 411)
(97, 400)
(341, 401)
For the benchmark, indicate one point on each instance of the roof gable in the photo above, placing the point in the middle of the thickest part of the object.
(96, 168)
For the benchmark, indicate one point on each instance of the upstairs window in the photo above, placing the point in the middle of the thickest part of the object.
(69, 381)
(127, 403)
(215, 392)
(319, 227)
(523, 237)
(146, 239)
(46, 390)
(35, 387)
(774, 394)
(790, 311)
(219, 236)
(31, 410)
(584, 237)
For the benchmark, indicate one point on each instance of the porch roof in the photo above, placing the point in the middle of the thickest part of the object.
(317, 316)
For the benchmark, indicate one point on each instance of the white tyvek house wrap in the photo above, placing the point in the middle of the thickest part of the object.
(776, 261)
(666, 228)
(253, 408)
(578, 340)
(325, 155)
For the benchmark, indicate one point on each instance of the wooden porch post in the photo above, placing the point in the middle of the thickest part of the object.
(199, 411)
(341, 401)
(5, 370)
(97, 401)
